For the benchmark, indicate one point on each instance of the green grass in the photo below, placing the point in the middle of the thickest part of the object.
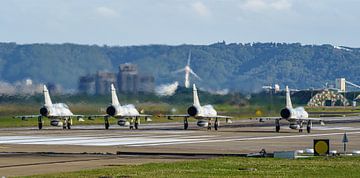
(231, 167)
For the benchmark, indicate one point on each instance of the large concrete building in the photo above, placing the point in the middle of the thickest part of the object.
(340, 83)
(128, 80)
(103, 81)
(87, 84)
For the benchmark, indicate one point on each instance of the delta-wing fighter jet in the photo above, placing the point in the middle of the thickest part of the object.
(203, 114)
(58, 113)
(298, 117)
(127, 115)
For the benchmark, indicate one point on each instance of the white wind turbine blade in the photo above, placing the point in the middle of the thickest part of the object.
(179, 70)
(189, 58)
(192, 72)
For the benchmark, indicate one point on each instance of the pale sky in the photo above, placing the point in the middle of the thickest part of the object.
(174, 22)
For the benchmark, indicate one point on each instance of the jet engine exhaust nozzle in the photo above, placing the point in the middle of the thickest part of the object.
(111, 110)
(192, 111)
(44, 111)
(285, 113)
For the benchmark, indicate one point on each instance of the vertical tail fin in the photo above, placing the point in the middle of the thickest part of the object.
(288, 99)
(114, 98)
(196, 97)
(47, 96)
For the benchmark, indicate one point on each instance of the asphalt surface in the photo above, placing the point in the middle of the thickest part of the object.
(28, 151)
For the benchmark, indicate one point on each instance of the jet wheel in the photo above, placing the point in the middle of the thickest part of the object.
(136, 125)
(40, 124)
(186, 125)
(277, 128)
(216, 125)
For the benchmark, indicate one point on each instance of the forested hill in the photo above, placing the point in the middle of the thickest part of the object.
(243, 67)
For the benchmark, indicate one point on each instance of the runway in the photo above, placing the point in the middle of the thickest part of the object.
(241, 137)
(149, 140)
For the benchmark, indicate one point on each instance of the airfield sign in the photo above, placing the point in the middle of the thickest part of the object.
(321, 147)
(345, 140)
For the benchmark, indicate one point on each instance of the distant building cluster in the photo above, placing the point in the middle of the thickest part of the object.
(127, 80)
(27, 87)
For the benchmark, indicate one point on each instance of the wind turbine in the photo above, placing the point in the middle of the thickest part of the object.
(188, 71)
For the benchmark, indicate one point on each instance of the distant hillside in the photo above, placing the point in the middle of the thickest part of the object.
(243, 67)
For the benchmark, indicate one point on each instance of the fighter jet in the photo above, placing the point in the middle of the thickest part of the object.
(298, 117)
(127, 115)
(203, 114)
(58, 113)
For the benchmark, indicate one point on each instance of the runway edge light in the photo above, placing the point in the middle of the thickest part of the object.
(321, 147)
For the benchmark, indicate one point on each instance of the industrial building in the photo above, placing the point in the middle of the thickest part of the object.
(87, 84)
(127, 80)
(334, 96)
(103, 81)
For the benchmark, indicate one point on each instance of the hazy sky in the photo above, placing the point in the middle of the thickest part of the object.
(137, 22)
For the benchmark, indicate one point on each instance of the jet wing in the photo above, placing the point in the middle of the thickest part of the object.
(262, 119)
(174, 115)
(315, 118)
(106, 115)
(223, 117)
(90, 117)
(144, 115)
(26, 117)
(35, 116)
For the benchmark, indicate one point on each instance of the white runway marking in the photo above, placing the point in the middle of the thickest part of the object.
(248, 139)
(100, 141)
(336, 128)
(139, 140)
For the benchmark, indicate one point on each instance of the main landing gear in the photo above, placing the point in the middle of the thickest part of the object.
(216, 124)
(186, 123)
(40, 124)
(134, 123)
(301, 125)
(106, 122)
(137, 122)
(277, 125)
(67, 123)
(309, 125)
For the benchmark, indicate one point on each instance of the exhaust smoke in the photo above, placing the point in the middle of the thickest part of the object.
(166, 89)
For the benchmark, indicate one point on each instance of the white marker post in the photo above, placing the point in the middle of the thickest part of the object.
(345, 140)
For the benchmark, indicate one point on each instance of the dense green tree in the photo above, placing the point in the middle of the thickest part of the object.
(243, 67)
